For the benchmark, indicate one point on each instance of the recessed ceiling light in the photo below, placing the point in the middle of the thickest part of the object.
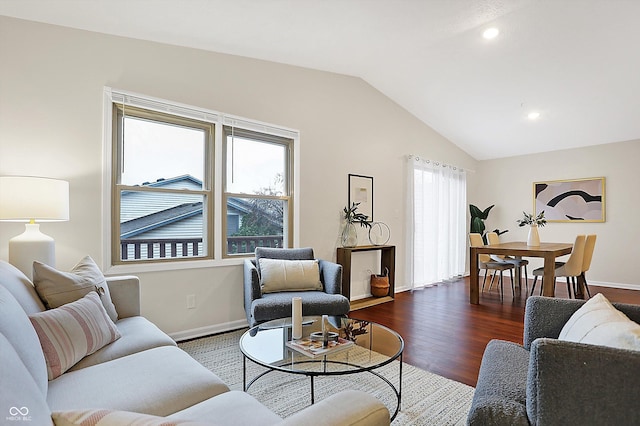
(533, 115)
(490, 33)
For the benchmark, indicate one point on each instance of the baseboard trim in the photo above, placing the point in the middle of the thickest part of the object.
(195, 333)
(623, 286)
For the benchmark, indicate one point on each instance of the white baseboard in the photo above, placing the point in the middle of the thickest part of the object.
(623, 286)
(614, 285)
(208, 330)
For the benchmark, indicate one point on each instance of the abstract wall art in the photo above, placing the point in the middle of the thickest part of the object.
(575, 200)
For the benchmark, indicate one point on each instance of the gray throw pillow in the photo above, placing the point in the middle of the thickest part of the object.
(57, 288)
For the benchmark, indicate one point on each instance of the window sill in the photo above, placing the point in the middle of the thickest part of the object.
(170, 266)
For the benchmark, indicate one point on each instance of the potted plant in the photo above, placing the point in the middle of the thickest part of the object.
(477, 221)
(353, 216)
(533, 239)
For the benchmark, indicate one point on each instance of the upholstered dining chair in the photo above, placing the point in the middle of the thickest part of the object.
(589, 246)
(487, 263)
(276, 275)
(571, 269)
(519, 263)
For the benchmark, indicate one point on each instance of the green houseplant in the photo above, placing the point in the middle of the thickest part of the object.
(477, 221)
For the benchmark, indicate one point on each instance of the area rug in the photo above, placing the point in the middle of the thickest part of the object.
(427, 399)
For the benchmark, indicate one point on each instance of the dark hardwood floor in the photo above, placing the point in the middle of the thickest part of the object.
(446, 335)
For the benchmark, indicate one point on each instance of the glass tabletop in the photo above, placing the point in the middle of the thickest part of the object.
(374, 346)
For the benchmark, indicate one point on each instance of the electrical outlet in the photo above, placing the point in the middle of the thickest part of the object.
(191, 301)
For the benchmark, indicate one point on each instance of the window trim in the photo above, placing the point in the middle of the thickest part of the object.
(111, 96)
(117, 188)
(259, 136)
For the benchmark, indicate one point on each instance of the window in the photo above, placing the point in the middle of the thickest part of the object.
(257, 191)
(162, 196)
(182, 183)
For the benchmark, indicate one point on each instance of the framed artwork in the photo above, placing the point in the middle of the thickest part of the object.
(361, 191)
(575, 200)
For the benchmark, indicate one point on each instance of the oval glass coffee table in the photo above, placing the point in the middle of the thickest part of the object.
(374, 346)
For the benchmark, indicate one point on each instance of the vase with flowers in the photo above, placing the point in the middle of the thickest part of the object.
(533, 239)
(349, 237)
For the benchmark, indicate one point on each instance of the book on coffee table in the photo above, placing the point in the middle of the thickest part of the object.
(314, 348)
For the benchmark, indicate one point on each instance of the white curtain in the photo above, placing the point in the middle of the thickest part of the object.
(436, 222)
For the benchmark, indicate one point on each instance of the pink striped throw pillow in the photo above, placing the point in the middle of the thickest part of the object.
(72, 331)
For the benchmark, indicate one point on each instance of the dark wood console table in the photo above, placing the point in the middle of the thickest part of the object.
(387, 260)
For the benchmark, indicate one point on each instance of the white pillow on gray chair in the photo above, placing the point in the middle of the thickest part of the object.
(598, 322)
(278, 275)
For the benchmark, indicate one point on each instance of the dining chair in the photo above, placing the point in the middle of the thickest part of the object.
(519, 263)
(586, 261)
(571, 269)
(487, 263)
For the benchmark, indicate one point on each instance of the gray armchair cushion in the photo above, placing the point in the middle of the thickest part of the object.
(278, 305)
(500, 395)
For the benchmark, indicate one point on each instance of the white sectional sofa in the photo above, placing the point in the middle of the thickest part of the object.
(141, 374)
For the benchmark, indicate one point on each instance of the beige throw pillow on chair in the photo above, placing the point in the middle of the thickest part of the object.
(289, 275)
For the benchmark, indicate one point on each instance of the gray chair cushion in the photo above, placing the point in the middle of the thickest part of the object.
(500, 394)
(278, 305)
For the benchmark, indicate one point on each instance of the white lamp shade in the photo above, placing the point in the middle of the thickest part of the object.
(27, 198)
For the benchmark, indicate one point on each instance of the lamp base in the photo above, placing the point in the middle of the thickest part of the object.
(29, 246)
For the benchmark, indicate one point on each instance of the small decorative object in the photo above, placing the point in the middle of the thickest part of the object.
(355, 328)
(380, 284)
(477, 221)
(325, 331)
(296, 318)
(379, 233)
(349, 236)
(318, 336)
(533, 239)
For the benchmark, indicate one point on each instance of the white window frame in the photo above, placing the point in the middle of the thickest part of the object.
(110, 96)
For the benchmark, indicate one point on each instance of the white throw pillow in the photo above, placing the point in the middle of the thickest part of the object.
(289, 275)
(598, 322)
(57, 288)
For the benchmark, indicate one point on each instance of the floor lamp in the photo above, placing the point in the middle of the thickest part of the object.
(30, 199)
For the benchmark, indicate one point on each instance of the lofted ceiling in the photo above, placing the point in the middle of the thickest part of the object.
(576, 62)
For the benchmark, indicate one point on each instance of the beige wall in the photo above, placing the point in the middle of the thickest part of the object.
(51, 83)
(507, 183)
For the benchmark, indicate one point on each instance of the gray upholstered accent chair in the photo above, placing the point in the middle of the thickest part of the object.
(552, 382)
(261, 307)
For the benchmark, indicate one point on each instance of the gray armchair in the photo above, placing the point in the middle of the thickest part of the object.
(261, 307)
(551, 382)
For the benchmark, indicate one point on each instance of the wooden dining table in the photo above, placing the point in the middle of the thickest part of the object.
(548, 251)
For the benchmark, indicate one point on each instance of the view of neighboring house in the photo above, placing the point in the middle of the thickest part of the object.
(171, 223)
